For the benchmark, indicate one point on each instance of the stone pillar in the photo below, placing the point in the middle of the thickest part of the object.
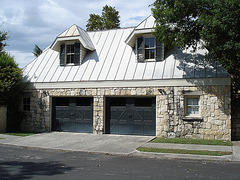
(98, 112)
(3, 118)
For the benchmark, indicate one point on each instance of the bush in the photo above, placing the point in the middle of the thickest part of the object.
(11, 88)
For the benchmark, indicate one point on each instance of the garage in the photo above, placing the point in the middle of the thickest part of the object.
(131, 116)
(72, 114)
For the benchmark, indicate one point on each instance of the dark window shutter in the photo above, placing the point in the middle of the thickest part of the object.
(62, 55)
(139, 49)
(159, 51)
(77, 53)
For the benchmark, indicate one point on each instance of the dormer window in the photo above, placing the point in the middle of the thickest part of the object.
(70, 53)
(148, 49)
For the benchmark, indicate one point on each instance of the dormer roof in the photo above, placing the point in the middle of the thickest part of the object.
(145, 27)
(74, 33)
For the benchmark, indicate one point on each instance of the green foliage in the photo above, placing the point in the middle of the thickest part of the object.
(94, 22)
(184, 151)
(108, 20)
(192, 141)
(37, 51)
(3, 37)
(11, 88)
(184, 23)
(110, 17)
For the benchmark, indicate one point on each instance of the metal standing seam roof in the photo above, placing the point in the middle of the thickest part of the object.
(114, 60)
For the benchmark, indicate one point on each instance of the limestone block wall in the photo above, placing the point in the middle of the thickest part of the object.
(215, 108)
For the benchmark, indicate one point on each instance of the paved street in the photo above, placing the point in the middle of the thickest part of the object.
(32, 163)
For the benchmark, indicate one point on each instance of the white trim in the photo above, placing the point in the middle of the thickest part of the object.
(136, 83)
(131, 38)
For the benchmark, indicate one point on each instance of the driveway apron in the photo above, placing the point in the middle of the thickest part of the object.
(100, 143)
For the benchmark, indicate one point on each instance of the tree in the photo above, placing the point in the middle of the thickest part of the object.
(11, 88)
(3, 37)
(185, 23)
(37, 51)
(94, 22)
(108, 20)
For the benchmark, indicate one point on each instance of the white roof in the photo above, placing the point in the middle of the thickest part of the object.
(74, 33)
(114, 60)
(146, 26)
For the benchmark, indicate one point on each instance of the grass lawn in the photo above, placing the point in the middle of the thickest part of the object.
(192, 141)
(19, 134)
(183, 151)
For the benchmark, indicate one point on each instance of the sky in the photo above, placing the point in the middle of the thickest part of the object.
(30, 22)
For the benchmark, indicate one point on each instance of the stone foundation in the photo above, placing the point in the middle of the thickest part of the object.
(215, 106)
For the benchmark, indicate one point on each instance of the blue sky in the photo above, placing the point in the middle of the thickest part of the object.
(31, 22)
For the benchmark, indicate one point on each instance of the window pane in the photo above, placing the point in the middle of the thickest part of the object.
(70, 48)
(147, 43)
(70, 58)
(152, 42)
(195, 101)
(152, 53)
(147, 54)
(192, 105)
(189, 101)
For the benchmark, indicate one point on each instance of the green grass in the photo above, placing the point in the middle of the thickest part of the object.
(19, 134)
(184, 151)
(192, 141)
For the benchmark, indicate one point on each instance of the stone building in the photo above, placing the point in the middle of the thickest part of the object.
(122, 81)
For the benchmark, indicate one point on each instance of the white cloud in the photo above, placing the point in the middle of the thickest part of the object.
(22, 58)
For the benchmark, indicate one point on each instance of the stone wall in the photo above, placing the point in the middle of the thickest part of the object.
(214, 123)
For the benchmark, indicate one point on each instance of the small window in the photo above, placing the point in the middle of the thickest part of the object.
(147, 48)
(70, 54)
(192, 106)
(150, 48)
(26, 104)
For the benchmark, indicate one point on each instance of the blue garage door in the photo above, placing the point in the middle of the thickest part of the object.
(133, 116)
(73, 114)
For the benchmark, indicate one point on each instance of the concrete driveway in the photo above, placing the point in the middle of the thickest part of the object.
(101, 143)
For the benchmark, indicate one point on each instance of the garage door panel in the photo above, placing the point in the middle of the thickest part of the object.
(61, 112)
(138, 129)
(125, 128)
(67, 125)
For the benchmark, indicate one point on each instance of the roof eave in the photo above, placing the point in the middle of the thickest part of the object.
(136, 32)
(56, 44)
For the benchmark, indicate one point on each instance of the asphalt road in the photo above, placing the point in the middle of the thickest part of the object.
(24, 163)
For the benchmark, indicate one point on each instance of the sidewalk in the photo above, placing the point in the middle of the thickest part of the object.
(116, 144)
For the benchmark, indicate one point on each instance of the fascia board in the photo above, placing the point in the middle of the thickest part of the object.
(56, 44)
(136, 83)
